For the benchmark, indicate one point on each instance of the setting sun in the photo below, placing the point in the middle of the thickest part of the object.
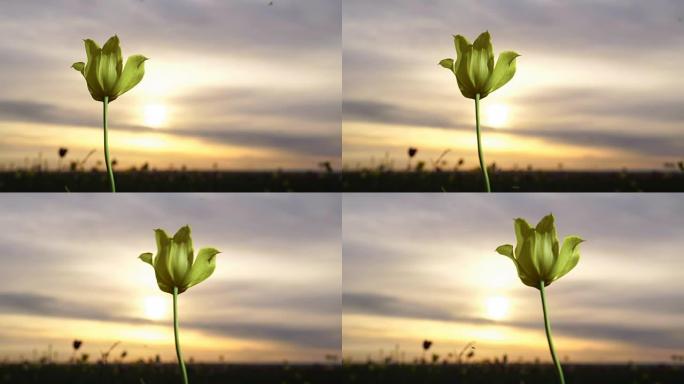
(154, 308)
(496, 115)
(155, 115)
(496, 307)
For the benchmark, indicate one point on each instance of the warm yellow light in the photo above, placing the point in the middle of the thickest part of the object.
(154, 307)
(496, 115)
(496, 307)
(154, 115)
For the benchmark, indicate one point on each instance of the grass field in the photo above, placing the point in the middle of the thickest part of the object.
(170, 181)
(513, 181)
(151, 373)
(356, 181)
(494, 373)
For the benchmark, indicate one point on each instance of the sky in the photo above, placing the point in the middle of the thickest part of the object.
(229, 84)
(70, 270)
(423, 267)
(598, 83)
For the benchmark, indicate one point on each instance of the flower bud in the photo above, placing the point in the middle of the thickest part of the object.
(104, 73)
(474, 66)
(537, 256)
(175, 266)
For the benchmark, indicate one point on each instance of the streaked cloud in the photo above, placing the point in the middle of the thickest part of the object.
(423, 267)
(70, 270)
(583, 96)
(252, 86)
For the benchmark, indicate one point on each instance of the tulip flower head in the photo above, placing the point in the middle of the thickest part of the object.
(175, 265)
(474, 66)
(537, 255)
(105, 73)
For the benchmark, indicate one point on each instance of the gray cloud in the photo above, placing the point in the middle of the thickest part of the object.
(50, 306)
(388, 306)
(644, 142)
(631, 104)
(302, 143)
(292, 36)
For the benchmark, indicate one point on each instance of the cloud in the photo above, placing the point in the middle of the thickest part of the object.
(643, 143)
(387, 113)
(302, 143)
(395, 307)
(270, 75)
(314, 336)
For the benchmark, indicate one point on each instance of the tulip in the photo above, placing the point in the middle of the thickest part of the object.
(176, 270)
(539, 262)
(107, 80)
(477, 77)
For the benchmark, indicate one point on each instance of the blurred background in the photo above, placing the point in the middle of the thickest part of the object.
(237, 85)
(421, 267)
(70, 271)
(598, 85)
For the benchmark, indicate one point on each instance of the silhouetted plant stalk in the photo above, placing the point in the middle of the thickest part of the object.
(176, 269)
(540, 261)
(477, 77)
(107, 78)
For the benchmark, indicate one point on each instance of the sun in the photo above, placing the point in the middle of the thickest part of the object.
(496, 307)
(154, 307)
(496, 116)
(154, 115)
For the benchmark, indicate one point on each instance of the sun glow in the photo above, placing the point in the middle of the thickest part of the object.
(154, 115)
(154, 308)
(496, 307)
(496, 115)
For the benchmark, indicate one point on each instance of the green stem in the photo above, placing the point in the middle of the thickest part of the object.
(549, 337)
(179, 354)
(483, 166)
(110, 172)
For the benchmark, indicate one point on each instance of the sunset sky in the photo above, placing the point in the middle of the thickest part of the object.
(232, 84)
(424, 267)
(598, 85)
(70, 271)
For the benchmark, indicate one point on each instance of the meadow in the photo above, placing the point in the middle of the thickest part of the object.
(170, 181)
(161, 373)
(501, 372)
(374, 180)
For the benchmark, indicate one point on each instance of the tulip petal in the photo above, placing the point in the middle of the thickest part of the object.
(481, 63)
(79, 66)
(162, 262)
(448, 64)
(463, 52)
(507, 250)
(202, 268)
(147, 257)
(503, 71)
(109, 68)
(180, 255)
(526, 260)
(484, 43)
(522, 230)
(461, 44)
(91, 69)
(132, 74)
(569, 256)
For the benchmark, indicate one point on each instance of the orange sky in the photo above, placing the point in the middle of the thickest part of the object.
(420, 267)
(211, 96)
(582, 96)
(70, 271)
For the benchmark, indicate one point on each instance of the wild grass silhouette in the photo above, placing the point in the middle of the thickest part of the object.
(464, 367)
(88, 175)
(112, 367)
(443, 174)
